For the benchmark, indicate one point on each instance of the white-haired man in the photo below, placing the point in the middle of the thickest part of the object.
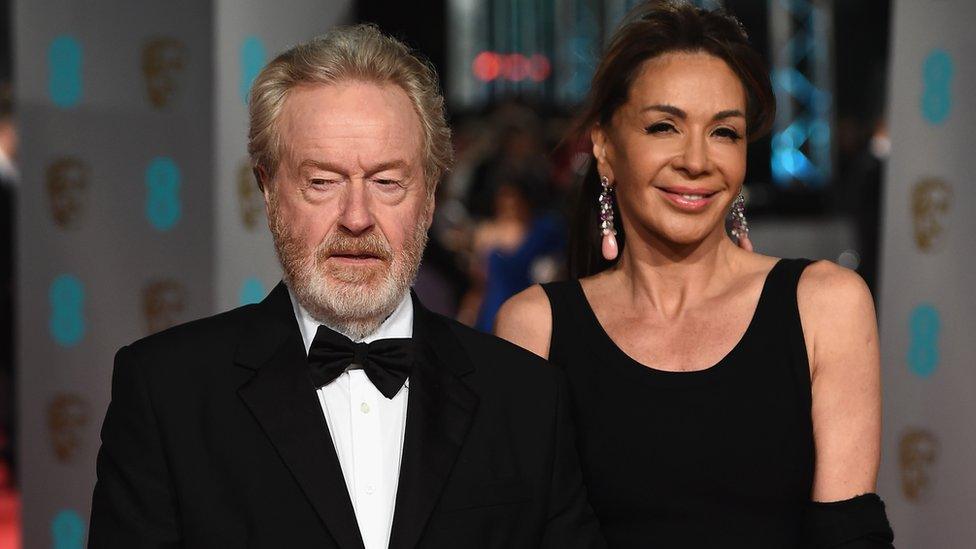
(339, 412)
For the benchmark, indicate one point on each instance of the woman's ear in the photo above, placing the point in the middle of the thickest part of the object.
(599, 138)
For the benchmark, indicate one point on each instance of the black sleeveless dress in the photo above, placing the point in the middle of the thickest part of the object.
(721, 457)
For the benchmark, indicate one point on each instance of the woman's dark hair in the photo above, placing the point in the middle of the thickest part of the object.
(649, 30)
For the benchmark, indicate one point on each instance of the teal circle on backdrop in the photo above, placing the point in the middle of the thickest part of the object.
(163, 206)
(252, 59)
(64, 82)
(938, 70)
(252, 291)
(67, 299)
(924, 327)
(67, 530)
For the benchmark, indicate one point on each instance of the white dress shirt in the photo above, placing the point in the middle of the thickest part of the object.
(367, 429)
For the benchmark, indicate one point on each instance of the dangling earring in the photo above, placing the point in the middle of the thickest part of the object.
(740, 227)
(609, 245)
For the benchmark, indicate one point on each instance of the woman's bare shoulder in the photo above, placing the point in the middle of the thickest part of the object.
(526, 320)
(836, 311)
(826, 285)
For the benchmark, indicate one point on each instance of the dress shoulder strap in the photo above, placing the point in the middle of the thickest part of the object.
(782, 282)
(563, 300)
(791, 269)
(778, 299)
(780, 318)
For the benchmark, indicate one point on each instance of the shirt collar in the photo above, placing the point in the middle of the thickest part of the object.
(398, 325)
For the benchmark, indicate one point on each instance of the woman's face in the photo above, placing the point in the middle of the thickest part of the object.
(676, 150)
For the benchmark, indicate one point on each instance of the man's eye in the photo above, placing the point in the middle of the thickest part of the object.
(319, 182)
(387, 182)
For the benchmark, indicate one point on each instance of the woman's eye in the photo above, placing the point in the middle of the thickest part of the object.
(660, 127)
(728, 133)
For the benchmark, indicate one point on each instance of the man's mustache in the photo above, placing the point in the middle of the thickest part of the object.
(371, 244)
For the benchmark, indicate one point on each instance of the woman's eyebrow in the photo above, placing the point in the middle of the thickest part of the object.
(731, 113)
(679, 113)
(670, 109)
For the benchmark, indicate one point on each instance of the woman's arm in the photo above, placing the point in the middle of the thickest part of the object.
(526, 320)
(840, 327)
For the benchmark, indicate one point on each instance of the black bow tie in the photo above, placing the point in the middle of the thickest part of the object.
(386, 362)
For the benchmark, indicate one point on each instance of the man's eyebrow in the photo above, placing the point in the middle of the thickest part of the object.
(319, 164)
(328, 166)
(389, 165)
(675, 111)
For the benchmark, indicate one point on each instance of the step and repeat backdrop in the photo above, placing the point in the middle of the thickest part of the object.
(137, 210)
(928, 298)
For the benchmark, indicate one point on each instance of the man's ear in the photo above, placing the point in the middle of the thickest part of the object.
(261, 176)
(266, 187)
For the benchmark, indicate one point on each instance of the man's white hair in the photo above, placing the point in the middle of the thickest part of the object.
(361, 53)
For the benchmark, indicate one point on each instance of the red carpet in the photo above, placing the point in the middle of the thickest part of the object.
(9, 520)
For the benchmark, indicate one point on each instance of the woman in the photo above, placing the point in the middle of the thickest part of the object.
(722, 398)
(509, 246)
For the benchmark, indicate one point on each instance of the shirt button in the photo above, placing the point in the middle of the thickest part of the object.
(370, 489)
(364, 408)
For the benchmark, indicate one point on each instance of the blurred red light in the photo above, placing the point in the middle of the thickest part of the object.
(486, 66)
(518, 68)
(540, 68)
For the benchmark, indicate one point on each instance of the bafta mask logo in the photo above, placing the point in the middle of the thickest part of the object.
(918, 451)
(249, 197)
(162, 63)
(163, 302)
(67, 183)
(931, 199)
(67, 416)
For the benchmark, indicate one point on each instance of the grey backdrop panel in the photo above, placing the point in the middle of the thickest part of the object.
(134, 212)
(927, 306)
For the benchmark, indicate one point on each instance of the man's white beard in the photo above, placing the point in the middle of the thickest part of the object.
(355, 300)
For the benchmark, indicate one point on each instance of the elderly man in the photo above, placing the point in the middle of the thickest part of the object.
(339, 412)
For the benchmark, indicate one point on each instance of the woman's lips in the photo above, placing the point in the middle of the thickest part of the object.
(688, 199)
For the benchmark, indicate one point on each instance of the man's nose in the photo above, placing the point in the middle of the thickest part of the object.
(356, 216)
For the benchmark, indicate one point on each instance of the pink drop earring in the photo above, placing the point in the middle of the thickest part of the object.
(609, 245)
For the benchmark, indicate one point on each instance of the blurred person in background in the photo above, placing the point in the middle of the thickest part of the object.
(513, 249)
(518, 150)
(8, 186)
(723, 398)
(444, 277)
(339, 411)
(499, 212)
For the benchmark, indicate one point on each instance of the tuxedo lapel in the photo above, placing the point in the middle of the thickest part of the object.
(439, 412)
(282, 399)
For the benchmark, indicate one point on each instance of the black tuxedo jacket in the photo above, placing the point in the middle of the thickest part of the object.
(215, 438)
